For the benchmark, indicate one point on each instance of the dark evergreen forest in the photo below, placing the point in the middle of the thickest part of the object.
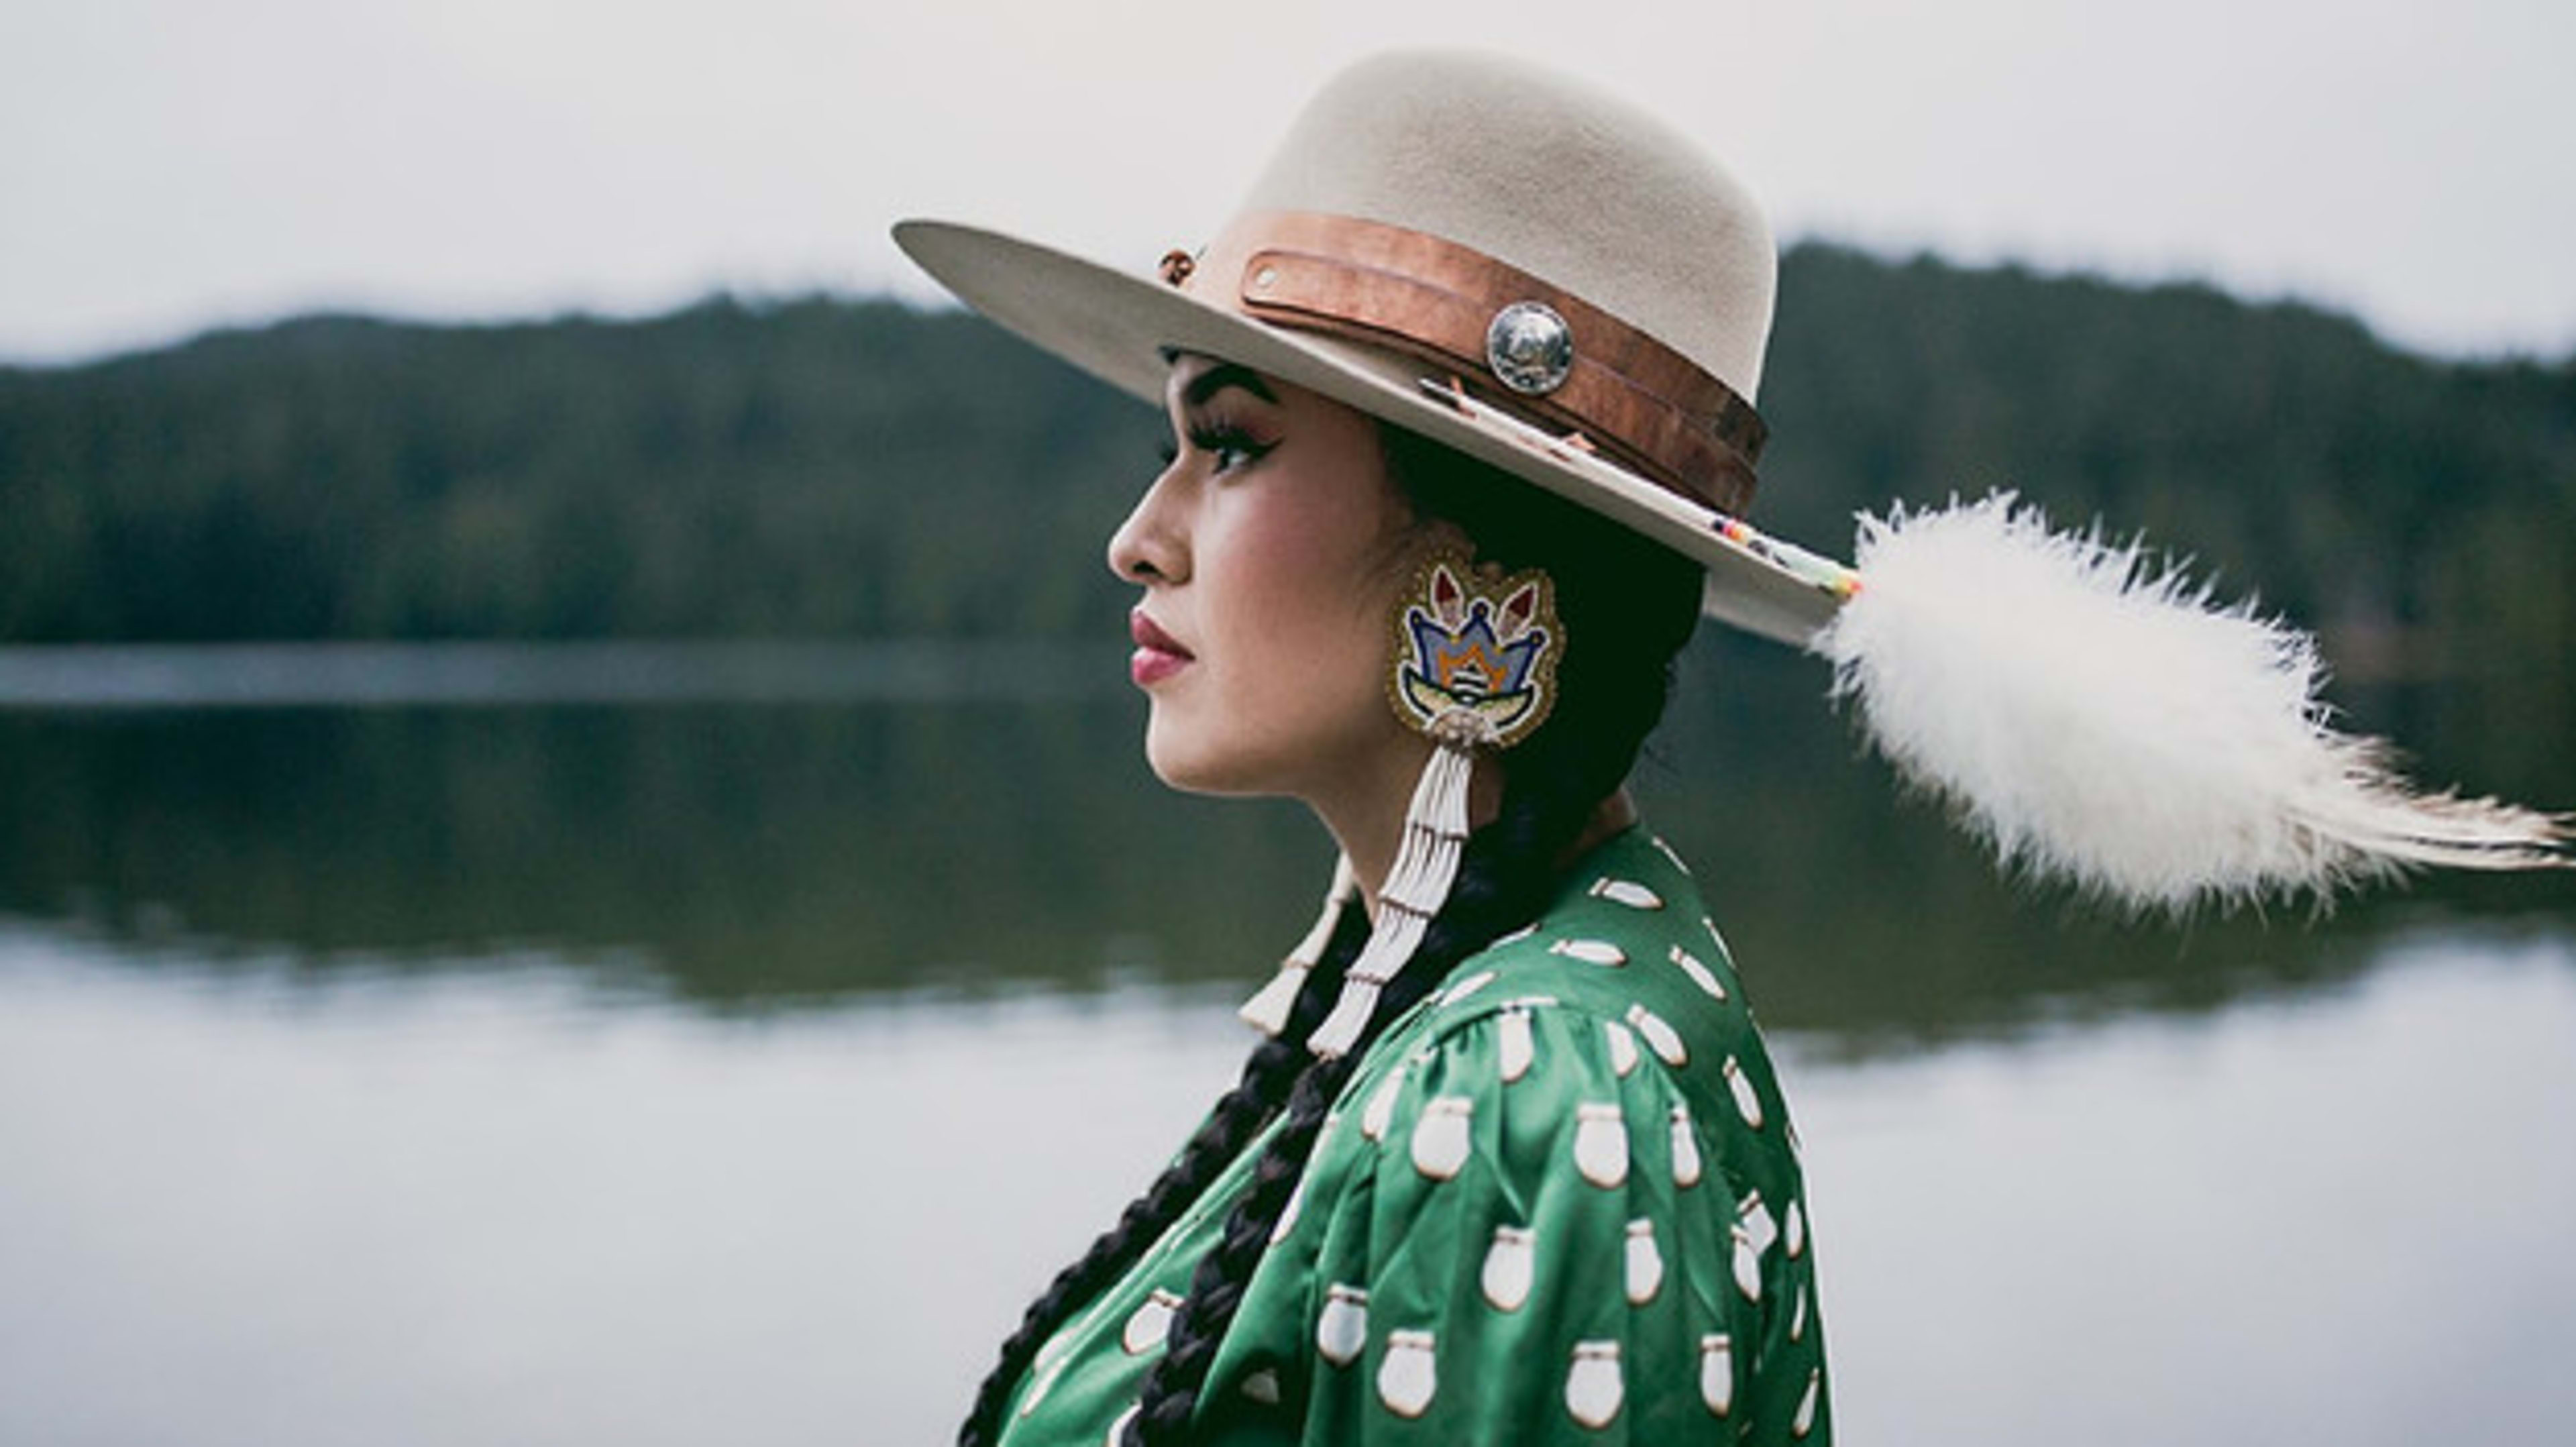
(829, 467)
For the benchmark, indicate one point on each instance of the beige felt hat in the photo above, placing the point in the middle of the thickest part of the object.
(1518, 266)
(1544, 277)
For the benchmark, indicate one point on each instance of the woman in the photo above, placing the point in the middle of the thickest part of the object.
(1546, 1189)
(1462, 416)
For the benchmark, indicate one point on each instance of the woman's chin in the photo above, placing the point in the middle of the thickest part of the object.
(1192, 764)
(1185, 772)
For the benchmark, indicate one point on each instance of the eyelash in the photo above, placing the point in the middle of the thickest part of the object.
(1222, 439)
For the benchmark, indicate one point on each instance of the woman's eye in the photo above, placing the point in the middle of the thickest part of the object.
(1230, 447)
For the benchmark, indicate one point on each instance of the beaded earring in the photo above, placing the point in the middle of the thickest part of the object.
(1472, 667)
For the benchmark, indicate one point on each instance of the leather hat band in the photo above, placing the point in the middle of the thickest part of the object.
(1632, 398)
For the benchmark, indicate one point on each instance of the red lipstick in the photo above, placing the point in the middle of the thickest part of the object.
(1158, 656)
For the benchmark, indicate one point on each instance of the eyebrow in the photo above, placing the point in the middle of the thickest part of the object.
(1219, 377)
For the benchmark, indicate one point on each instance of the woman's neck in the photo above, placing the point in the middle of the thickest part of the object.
(1369, 824)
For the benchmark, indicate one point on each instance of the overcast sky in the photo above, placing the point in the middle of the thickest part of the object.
(166, 165)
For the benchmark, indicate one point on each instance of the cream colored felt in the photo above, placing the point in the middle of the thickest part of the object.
(1563, 181)
(2093, 717)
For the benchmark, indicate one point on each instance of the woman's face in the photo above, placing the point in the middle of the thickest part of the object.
(1271, 551)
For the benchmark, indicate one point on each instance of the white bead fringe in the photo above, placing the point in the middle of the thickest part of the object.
(1268, 1010)
(1426, 863)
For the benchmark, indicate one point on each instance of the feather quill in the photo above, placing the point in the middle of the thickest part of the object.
(2097, 718)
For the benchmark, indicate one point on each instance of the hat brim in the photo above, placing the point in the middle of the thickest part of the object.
(1122, 329)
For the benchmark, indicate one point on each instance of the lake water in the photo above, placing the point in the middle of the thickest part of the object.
(693, 1070)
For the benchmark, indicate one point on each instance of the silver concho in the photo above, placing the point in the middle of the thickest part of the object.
(1530, 347)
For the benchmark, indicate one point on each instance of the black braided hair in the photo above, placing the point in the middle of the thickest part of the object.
(1236, 1118)
(1628, 606)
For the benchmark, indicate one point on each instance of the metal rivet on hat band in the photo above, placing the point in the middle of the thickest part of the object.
(1529, 347)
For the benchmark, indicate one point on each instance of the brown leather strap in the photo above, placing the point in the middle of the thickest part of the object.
(1631, 397)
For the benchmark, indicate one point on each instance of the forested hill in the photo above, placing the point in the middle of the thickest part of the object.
(831, 467)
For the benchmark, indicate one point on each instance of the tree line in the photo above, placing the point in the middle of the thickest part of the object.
(849, 467)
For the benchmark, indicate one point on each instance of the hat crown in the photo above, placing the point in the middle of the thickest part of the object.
(1566, 182)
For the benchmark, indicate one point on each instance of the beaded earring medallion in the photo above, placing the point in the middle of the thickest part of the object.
(1477, 650)
(1472, 667)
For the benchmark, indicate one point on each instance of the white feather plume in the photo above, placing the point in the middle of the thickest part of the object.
(2090, 713)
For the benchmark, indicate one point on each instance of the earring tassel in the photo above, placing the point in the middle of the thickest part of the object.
(1426, 863)
(2096, 718)
(1268, 1010)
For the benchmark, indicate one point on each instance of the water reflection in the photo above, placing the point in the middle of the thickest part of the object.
(710, 1070)
(757, 858)
(479, 1203)
(2321, 1217)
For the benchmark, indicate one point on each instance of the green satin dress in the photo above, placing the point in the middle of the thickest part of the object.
(1559, 1202)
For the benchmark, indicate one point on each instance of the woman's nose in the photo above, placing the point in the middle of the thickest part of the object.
(1149, 546)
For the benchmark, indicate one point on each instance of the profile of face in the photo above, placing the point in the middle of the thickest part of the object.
(1271, 550)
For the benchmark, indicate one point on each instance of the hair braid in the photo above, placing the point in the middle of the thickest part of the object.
(1238, 1115)
(1632, 607)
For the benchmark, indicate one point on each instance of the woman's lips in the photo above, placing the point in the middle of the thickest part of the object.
(1157, 656)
